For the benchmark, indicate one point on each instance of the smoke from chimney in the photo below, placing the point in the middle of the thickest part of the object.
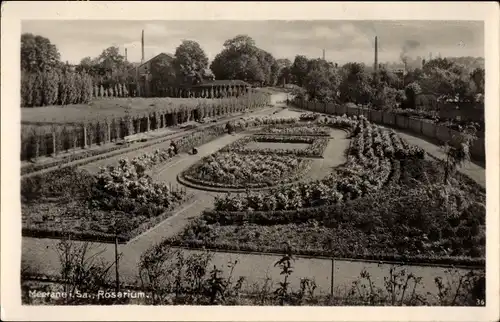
(406, 51)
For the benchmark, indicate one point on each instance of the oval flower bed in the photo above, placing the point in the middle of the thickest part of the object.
(234, 171)
(317, 145)
(296, 129)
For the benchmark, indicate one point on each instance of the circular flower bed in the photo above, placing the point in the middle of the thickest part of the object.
(236, 171)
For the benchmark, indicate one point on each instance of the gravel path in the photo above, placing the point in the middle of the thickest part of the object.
(470, 169)
(332, 157)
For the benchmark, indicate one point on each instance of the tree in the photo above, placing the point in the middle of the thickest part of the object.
(477, 77)
(453, 83)
(38, 53)
(108, 69)
(284, 71)
(387, 97)
(458, 153)
(190, 59)
(388, 78)
(355, 86)
(441, 63)
(162, 73)
(411, 92)
(241, 59)
(299, 69)
(88, 65)
(241, 43)
(322, 81)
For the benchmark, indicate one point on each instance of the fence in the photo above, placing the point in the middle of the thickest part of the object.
(418, 126)
(42, 139)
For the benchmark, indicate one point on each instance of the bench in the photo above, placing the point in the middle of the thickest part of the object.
(139, 137)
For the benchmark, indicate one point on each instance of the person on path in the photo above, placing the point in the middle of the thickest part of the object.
(229, 128)
(174, 147)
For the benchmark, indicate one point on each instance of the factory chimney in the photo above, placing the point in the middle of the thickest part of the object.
(323, 54)
(375, 65)
(126, 54)
(142, 47)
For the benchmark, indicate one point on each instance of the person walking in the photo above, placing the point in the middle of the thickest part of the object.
(229, 128)
(174, 147)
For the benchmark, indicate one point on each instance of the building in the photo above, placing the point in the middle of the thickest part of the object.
(157, 77)
(142, 82)
(141, 76)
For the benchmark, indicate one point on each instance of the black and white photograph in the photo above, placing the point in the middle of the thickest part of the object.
(252, 163)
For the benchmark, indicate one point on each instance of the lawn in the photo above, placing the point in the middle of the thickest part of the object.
(106, 108)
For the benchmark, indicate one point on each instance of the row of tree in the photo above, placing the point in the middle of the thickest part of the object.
(242, 59)
(55, 87)
(239, 59)
(441, 77)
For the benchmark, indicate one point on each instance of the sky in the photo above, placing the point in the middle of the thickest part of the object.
(343, 41)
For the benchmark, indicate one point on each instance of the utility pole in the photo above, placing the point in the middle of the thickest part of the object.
(117, 273)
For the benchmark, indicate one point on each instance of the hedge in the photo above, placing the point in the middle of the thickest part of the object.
(55, 88)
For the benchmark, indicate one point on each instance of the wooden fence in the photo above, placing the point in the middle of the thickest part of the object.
(425, 128)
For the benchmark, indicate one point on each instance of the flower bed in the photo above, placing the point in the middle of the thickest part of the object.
(231, 170)
(309, 116)
(373, 159)
(317, 145)
(125, 198)
(419, 220)
(296, 129)
(78, 222)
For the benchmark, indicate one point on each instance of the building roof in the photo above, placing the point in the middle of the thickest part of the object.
(139, 65)
(222, 82)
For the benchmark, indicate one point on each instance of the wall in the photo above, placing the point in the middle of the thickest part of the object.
(465, 111)
(417, 126)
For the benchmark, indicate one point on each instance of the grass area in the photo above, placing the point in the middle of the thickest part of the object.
(107, 108)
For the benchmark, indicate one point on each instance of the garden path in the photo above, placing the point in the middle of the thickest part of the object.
(332, 157)
(472, 170)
